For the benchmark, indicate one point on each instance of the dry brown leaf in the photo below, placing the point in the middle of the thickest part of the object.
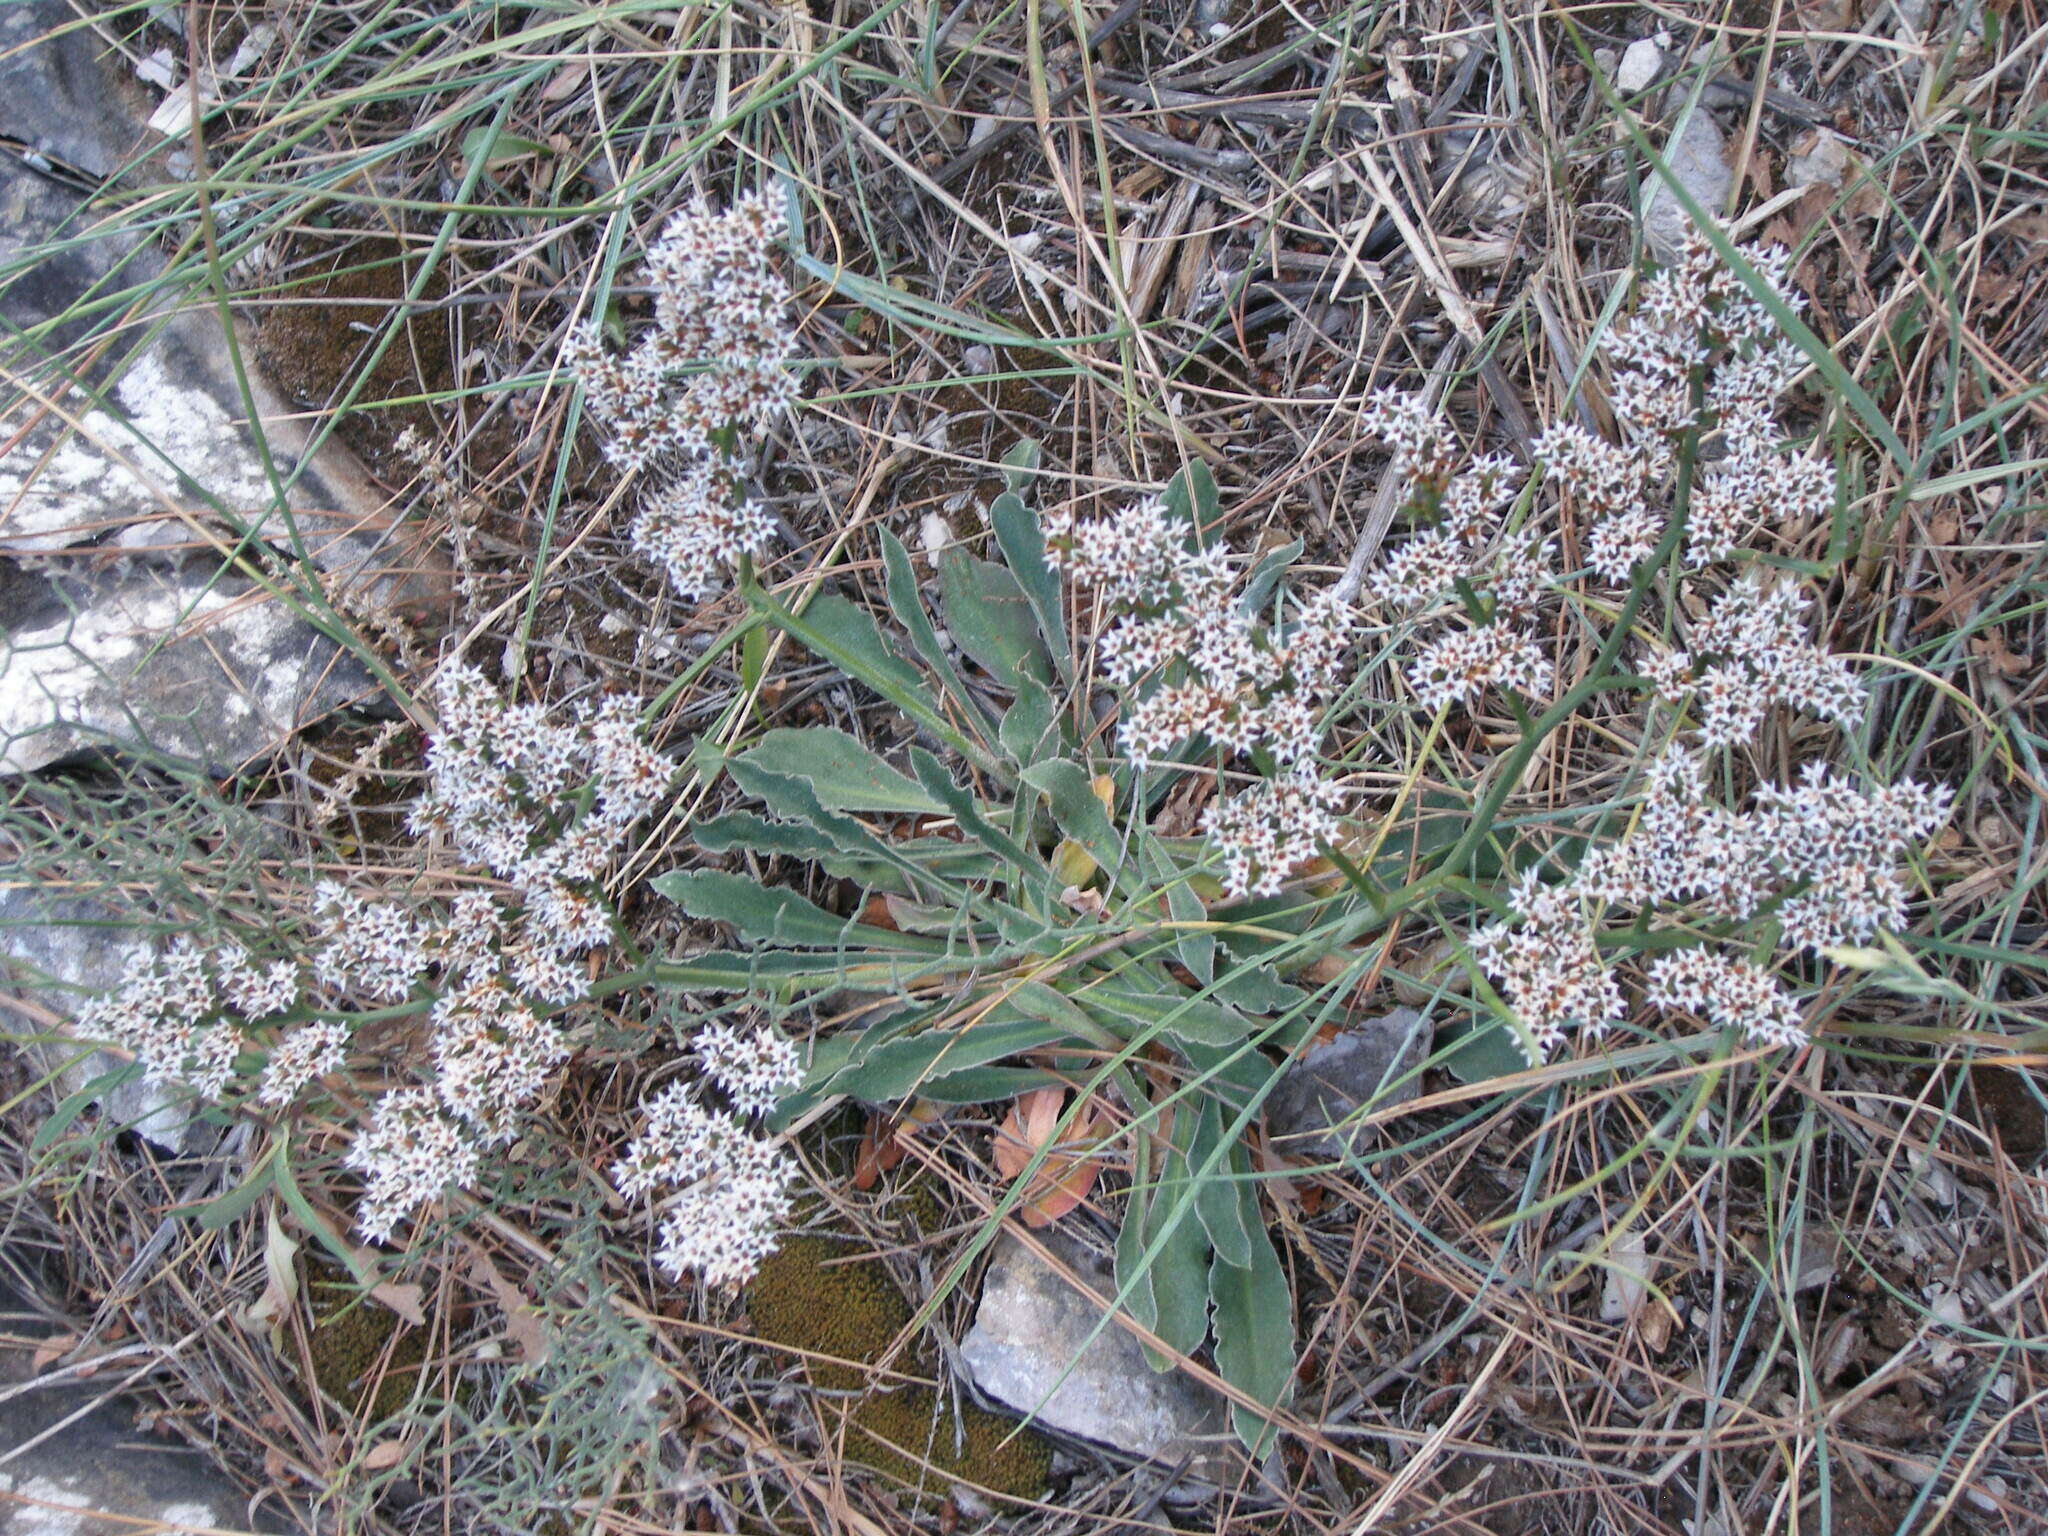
(1064, 1178)
(405, 1300)
(522, 1323)
(53, 1349)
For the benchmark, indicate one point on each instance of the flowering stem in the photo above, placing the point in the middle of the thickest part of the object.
(1599, 678)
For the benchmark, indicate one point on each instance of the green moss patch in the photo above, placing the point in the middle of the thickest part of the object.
(852, 1311)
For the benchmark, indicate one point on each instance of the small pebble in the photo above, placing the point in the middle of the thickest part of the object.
(1639, 64)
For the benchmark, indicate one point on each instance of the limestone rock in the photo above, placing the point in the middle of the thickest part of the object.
(177, 661)
(124, 428)
(1030, 1328)
(1698, 158)
(138, 434)
(55, 951)
(1641, 62)
(96, 1475)
(1375, 1063)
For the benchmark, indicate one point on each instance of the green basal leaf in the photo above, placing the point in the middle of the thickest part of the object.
(988, 1085)
(1187, 1020)
(501, 149)
(773, 915)
(1162, 1258)
(1020, 464)
(845, 775)
(847, 634)
(946, 860)
(905, 1066)
(798, 798)
(1478, 1051)
(1069, 790)
(1028, 730)
(1265, 577)
(966, 810)
(1216, 1189)
(1254, 1324)
(224, 1209)
(906, 601)
(1192, 495)
(1036, 1000)
(1022, 541)
(988, 614)
(1255, 989)
(1196, 946)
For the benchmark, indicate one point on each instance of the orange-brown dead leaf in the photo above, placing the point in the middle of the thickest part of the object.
(1064, 1178)
(879, 1152)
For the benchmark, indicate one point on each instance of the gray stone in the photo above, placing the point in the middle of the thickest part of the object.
(1698, 158)
(56, 951)
(180, 662)
(1030, 1328)
(1375, 1064)
(97, 1475)
(125, 438)
(154, 433)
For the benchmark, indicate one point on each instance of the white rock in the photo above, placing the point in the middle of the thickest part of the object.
(1697, 156)
(1627, 1280)
(56, 951)
(1822, 163)
(1640, 63)
(1029, 1330)
(183, 662)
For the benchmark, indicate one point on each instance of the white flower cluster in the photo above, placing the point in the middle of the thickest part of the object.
(713, 369)
(170, 1010)
(1844, 843)
(1767, 661)
(543, 801)
(1467, 559)
(723, 1189)
(1729, 994)
(506, 782)
(1699, 361)
(1824, 850)
(408, 1154)
(187, 1013)
(1699, 353)
(1197, 666)
(1548, 967)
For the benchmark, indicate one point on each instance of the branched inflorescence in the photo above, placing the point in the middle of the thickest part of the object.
(712, 371)
(725, 1190)
(1199, 667)
(542, 802)
(1698, 369)
(1468, 560)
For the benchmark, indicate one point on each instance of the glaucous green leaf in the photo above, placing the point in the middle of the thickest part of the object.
(1218, 1173)
(1254, 1325)
(907, 603)
(769, 914)
(1069, 790)
(1028, 731)
(1188, 1020)
(845, 774)
(990, 618)
(1022, 541)
(904, 1066)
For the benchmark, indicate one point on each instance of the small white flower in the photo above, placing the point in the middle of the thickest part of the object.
(308, 1052)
